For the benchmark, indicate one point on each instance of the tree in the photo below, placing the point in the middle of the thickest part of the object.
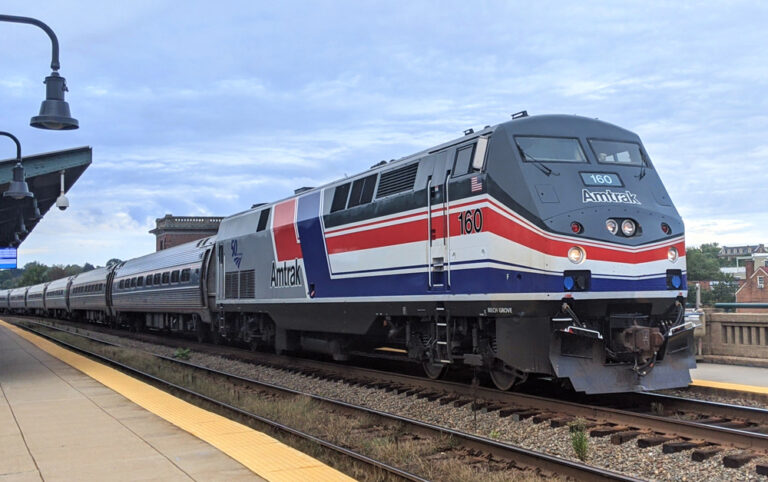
(88, 267)
(34, 273)
(113, 262)
(55, 272)
(702, 263)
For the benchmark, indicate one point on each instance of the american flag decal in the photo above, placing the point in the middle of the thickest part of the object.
(476, 184)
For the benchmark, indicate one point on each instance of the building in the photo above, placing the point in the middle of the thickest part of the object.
(732, 252)
(173, 230)
(754, 289)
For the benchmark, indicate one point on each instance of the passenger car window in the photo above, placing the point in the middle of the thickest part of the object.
(149, 280)
(185, 274)
(140, 281)
(175, 276)
(133, 282)
(166, 277)
(121, 284)
(156, 279)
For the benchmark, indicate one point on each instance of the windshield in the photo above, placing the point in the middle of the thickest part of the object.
(550, 149)
(616, 152)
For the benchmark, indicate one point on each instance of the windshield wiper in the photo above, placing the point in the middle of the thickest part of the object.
(536, 162)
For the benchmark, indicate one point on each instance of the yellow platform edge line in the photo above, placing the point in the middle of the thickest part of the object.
(212, 428)
(730, 386)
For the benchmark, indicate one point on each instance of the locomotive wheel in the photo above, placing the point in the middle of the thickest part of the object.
(504, 380)
(434, 370)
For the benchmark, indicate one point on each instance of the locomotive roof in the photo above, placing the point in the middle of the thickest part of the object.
(546, 124)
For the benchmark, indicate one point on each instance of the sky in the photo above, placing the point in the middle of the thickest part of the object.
(205, 108)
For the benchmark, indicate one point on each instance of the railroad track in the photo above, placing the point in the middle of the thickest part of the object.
(649, 419)
(521, 458)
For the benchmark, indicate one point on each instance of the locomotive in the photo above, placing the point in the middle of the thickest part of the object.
(546, 245)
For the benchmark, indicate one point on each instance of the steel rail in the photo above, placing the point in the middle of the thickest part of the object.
(524, 457)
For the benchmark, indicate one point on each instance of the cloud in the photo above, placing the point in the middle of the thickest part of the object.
(208, 109)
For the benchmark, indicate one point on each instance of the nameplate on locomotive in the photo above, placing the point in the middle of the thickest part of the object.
(286, 275)
(608, 196)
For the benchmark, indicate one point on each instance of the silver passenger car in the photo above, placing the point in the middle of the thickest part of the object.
(163, 290)
(4, 300)
(56, 297)
(36, 299)
(18, 300)
(88, 295)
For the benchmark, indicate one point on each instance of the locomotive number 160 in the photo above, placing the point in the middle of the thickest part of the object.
(471, 221)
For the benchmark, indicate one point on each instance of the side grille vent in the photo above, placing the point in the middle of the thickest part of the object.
(247, 284)
(231, 285)
(397, 180)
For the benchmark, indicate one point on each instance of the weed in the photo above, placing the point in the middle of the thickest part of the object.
(580, 443)
(182, 353)
(577, 425)
(495, 434)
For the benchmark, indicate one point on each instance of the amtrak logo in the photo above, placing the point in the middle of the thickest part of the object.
(237, 257)
(608, 196)
(286, 275)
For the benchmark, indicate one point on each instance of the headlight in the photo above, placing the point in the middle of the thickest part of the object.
(672, 254)
(576, 255)
(612, 226)
(628, 227)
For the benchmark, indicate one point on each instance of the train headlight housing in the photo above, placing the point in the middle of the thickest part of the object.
(576, 254)
(672, 254)
(628, 227)
(612, 226)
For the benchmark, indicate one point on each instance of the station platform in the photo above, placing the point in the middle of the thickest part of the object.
(731, 377)
(66, 417)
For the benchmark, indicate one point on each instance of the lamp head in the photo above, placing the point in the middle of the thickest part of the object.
(18, 188)
(54, 111)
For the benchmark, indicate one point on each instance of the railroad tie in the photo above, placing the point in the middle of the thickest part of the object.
(448, 399)
(603, 431)
(560, 422)
(674, 447)
(700, 455)
(737, 460)
(622, 437)
(653, 441)
(542, 417)
(524, 415)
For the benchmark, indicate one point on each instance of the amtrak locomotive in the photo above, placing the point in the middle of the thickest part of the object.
(545, 246)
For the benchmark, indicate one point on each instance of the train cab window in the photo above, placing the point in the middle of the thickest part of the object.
(263, 218)
(185, 275)
(362, 191)
(140, 281)
(463, 161)
(550, 149)
(166, 277)
(156, 280)
(340, 195)
(149, 280)
(615, 152)
(175, 276)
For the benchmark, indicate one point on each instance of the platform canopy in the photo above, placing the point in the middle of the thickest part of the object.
(43, 172)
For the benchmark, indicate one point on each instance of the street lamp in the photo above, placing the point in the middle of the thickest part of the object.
(54, 111)
(18, 188)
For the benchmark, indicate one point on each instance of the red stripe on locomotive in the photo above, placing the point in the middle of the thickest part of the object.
(284, 230)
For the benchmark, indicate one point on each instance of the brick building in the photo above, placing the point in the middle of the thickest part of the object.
(754, 289)
(173, 230)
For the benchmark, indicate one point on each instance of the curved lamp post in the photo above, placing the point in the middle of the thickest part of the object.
(54, 111)
(18, 188)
